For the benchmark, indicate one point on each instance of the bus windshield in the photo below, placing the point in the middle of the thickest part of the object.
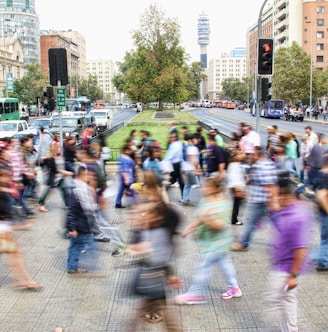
(277, 104)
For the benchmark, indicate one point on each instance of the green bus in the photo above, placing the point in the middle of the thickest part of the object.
(9, 109)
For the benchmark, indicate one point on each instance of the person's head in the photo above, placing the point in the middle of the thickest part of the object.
(286, 188)
(211, 140)
(155, 153)
(126, 149)
(173, 137)
(289, 136)
(234, 136)
(133, 133)
(171, 124)
(82, 173)
(70, 141)
(211, 186)
(247, 128)
(308, 130)
(199, 130)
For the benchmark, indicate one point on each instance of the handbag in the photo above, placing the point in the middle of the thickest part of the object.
(150, 282)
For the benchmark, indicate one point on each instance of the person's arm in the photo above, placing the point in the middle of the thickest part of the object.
(322, 199)
(299, 256)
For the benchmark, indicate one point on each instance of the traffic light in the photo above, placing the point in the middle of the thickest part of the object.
(265, 89)
(51, 104)
(265, 56)
(50, 91)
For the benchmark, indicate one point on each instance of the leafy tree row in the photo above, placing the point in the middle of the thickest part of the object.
(32, 84)
(290, 82)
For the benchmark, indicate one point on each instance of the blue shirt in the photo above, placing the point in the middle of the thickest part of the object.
(174, 153)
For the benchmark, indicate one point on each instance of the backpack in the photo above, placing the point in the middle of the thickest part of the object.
(184, 151)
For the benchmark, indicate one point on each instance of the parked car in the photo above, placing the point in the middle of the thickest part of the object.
(71, 125)
(9, 128)
(294, 115)
(38, 123)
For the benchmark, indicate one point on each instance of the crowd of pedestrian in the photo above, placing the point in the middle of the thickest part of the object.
(268, 178)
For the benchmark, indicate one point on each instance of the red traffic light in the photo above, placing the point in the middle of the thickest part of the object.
(267, 48)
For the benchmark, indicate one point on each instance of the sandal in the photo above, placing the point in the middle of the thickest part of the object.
(154, 317)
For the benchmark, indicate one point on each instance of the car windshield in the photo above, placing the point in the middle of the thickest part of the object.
(99, 114)
(7, 126)
(39, 123)
(65, 122)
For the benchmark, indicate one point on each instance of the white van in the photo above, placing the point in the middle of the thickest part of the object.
(104, 118)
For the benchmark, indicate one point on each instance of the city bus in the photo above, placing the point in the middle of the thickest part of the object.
(9, 109)
(273, 108)
(78, 104)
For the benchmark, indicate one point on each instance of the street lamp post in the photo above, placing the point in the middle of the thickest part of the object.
(311, 63)
(5, 52)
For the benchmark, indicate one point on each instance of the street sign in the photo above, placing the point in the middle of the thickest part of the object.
(10, 82)
(61, 98)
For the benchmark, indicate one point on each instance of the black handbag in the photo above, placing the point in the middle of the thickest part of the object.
(150, 282)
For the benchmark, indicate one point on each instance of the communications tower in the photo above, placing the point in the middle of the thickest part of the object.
(203, 28)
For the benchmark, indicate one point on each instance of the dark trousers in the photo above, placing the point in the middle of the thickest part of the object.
(235, 208)
(177, 176)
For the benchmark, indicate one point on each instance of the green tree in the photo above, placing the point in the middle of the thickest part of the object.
(89, 87)
(235, 89)
(30, 86)
(291, 79)
(157, 70)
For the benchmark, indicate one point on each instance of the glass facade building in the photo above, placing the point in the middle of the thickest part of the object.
(18, 18)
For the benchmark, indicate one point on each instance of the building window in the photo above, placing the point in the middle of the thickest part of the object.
(320, 22)
(27, 3)
(320, 34)
(320, 10)
(9, 3)
(320, 47)
(319, 58)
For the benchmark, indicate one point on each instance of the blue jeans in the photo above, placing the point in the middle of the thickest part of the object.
(186, 192)
(121, 191)
(83, 242)
(255, 211)
(203, 271)
(314, 178)
(323, 255)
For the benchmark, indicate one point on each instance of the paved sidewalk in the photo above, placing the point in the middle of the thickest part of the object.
(105, 304)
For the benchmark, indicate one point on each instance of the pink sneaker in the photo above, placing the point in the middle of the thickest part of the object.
(189, 299)
(232, 292)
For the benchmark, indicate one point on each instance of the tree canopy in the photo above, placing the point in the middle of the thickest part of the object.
(291, 79)
(236, 89)
(157, 70)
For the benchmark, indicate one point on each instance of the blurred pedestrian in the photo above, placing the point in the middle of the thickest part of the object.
(261, 195)
(69, 154)
(292, 225)
(155, 223)
(81, 222)
(211, 226)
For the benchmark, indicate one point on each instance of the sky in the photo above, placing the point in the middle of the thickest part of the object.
(107, 25)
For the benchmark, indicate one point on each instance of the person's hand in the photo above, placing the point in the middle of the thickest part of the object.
(291, 283)
(73, 234)
(174, 282)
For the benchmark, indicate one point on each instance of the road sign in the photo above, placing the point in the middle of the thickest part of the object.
(10, 82)
(61, 98)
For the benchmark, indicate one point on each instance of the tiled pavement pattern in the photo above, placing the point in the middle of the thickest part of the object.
(105, 304)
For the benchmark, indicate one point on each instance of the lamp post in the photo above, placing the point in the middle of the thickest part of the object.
(311, 62)
(5, 52)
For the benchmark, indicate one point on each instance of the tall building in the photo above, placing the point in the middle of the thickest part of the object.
(231, 65)
(104, 69)
(18, 18)
(203, 28)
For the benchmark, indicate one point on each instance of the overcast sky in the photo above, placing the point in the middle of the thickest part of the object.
(107, 25)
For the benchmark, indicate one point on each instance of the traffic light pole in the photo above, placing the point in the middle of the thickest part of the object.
(258, 81)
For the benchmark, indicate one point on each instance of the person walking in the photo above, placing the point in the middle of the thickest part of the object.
(292, 224)
(211, 226)
(80, 222)
(126, 175)
(261, 195)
